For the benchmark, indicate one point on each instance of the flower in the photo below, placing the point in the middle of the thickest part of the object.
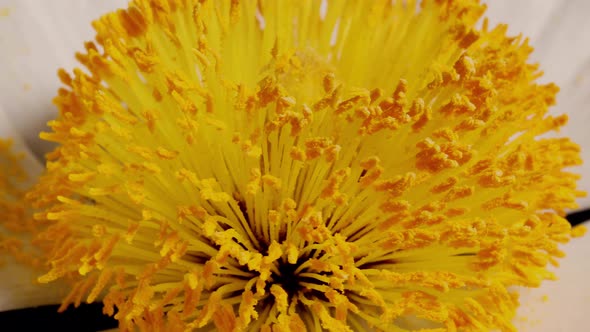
(283, 183)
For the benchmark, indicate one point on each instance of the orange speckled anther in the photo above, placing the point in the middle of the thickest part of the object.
(304, 165)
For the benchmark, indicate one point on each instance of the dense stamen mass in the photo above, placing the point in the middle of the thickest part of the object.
(16, 222)
(304, 165)
(12, 210)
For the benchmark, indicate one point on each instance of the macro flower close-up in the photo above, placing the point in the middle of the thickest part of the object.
(297, 165)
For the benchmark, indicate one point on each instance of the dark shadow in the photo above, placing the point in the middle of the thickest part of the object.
(85, 318)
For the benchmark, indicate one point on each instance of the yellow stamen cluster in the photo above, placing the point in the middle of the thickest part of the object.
(304, 165)
(15, 217)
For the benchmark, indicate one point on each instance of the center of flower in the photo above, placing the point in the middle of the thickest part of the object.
(288, 277)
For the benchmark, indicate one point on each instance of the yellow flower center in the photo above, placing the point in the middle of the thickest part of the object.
(304, 165)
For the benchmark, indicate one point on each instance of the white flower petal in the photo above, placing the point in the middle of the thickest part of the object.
(20, 290)
(562, 46)
(37, 38)
(560, 306)
(529, 17)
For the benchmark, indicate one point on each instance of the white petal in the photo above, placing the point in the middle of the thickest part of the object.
(20, 290)
(37, 38)
(560, 306)
(528, 17)
(562, 45)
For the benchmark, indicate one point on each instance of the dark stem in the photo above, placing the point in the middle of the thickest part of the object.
(578, 217)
